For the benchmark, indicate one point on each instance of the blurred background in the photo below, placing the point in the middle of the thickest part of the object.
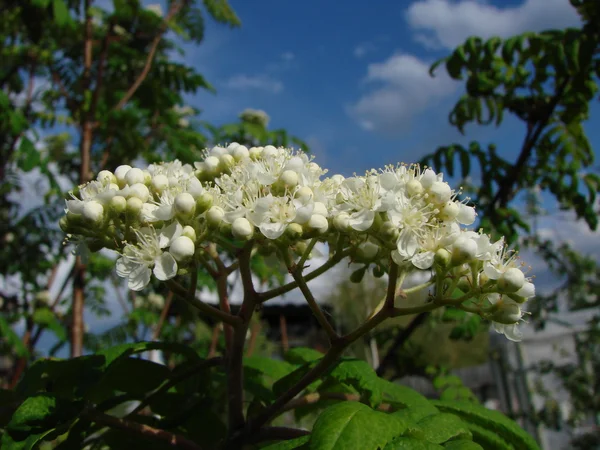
(510, 114)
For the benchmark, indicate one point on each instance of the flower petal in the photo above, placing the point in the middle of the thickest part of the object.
(165, 267)
(139, 278)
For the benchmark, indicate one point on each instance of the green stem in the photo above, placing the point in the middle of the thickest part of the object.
(306, 254)
(268, 295)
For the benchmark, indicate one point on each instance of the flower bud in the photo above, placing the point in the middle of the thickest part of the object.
(255, 153)
(319, 223)
(304, 194)
(106, 176)
(466, 214)
(226, 162)
(389, 231)
(269, 151)
(527, 290)
(159, 183)
(463, 250)
(63, 223)
(342, 222)
(134, 176)
(440, 192)
(117, 204)
(189, 232)
(294, 231)
(93, 211)
(217, 151)
(241, 228)
(140, 191)
(428, 178)
(367, 252)
(442, 258)
(414, 187)
(320, 209)
(134, 206)
(211, 164)
(449, 211)
(289, 178)
(120, 173)
(184, 204)
(214, 216)
(203, 202)
(240, 152)
(182, 248)
(508, 313)
(511, 280)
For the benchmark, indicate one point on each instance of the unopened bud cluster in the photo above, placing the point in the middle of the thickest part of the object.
(160, 218)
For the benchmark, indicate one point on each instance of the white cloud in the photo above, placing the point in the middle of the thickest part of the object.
(259, 82)
(448, 23)
(288, 56)
(362, 49)
(405, 89)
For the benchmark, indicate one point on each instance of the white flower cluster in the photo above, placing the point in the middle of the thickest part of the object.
(158, 218)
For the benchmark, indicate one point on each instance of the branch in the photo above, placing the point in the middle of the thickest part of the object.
(503, 194)
(316, 310)
(399, 342)
(99, 75)
(315, 397)
(217, 314)
(177, 378)
(268, 295)
(163, 316)
(175, 8)
(172, 439)
(235, 368)
(277, 434)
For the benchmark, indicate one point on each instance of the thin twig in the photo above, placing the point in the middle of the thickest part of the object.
(235, 368)
(172, 439)
(163, 316)
(175, 8)
(181, 292)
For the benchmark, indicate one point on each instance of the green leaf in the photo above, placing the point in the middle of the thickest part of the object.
(492, 421)
(443, 427)
(462, 444)
(12, 338)
(60, 11)
(354, 425)
(488, 439)
(361, 376)
(37, 417)
(270, 367)
(408, 443)
(222, 12)
(45, 317)
(405, 397)
(285, 383)
(124, 350)
(301, 355)
(134, 376)
(70, 378)
(29, 157)
(288, 445)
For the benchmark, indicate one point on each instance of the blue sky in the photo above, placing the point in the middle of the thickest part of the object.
(351, 78)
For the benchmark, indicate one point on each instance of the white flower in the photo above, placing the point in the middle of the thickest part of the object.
(272, 215)
(139, 261)
(360, 199)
